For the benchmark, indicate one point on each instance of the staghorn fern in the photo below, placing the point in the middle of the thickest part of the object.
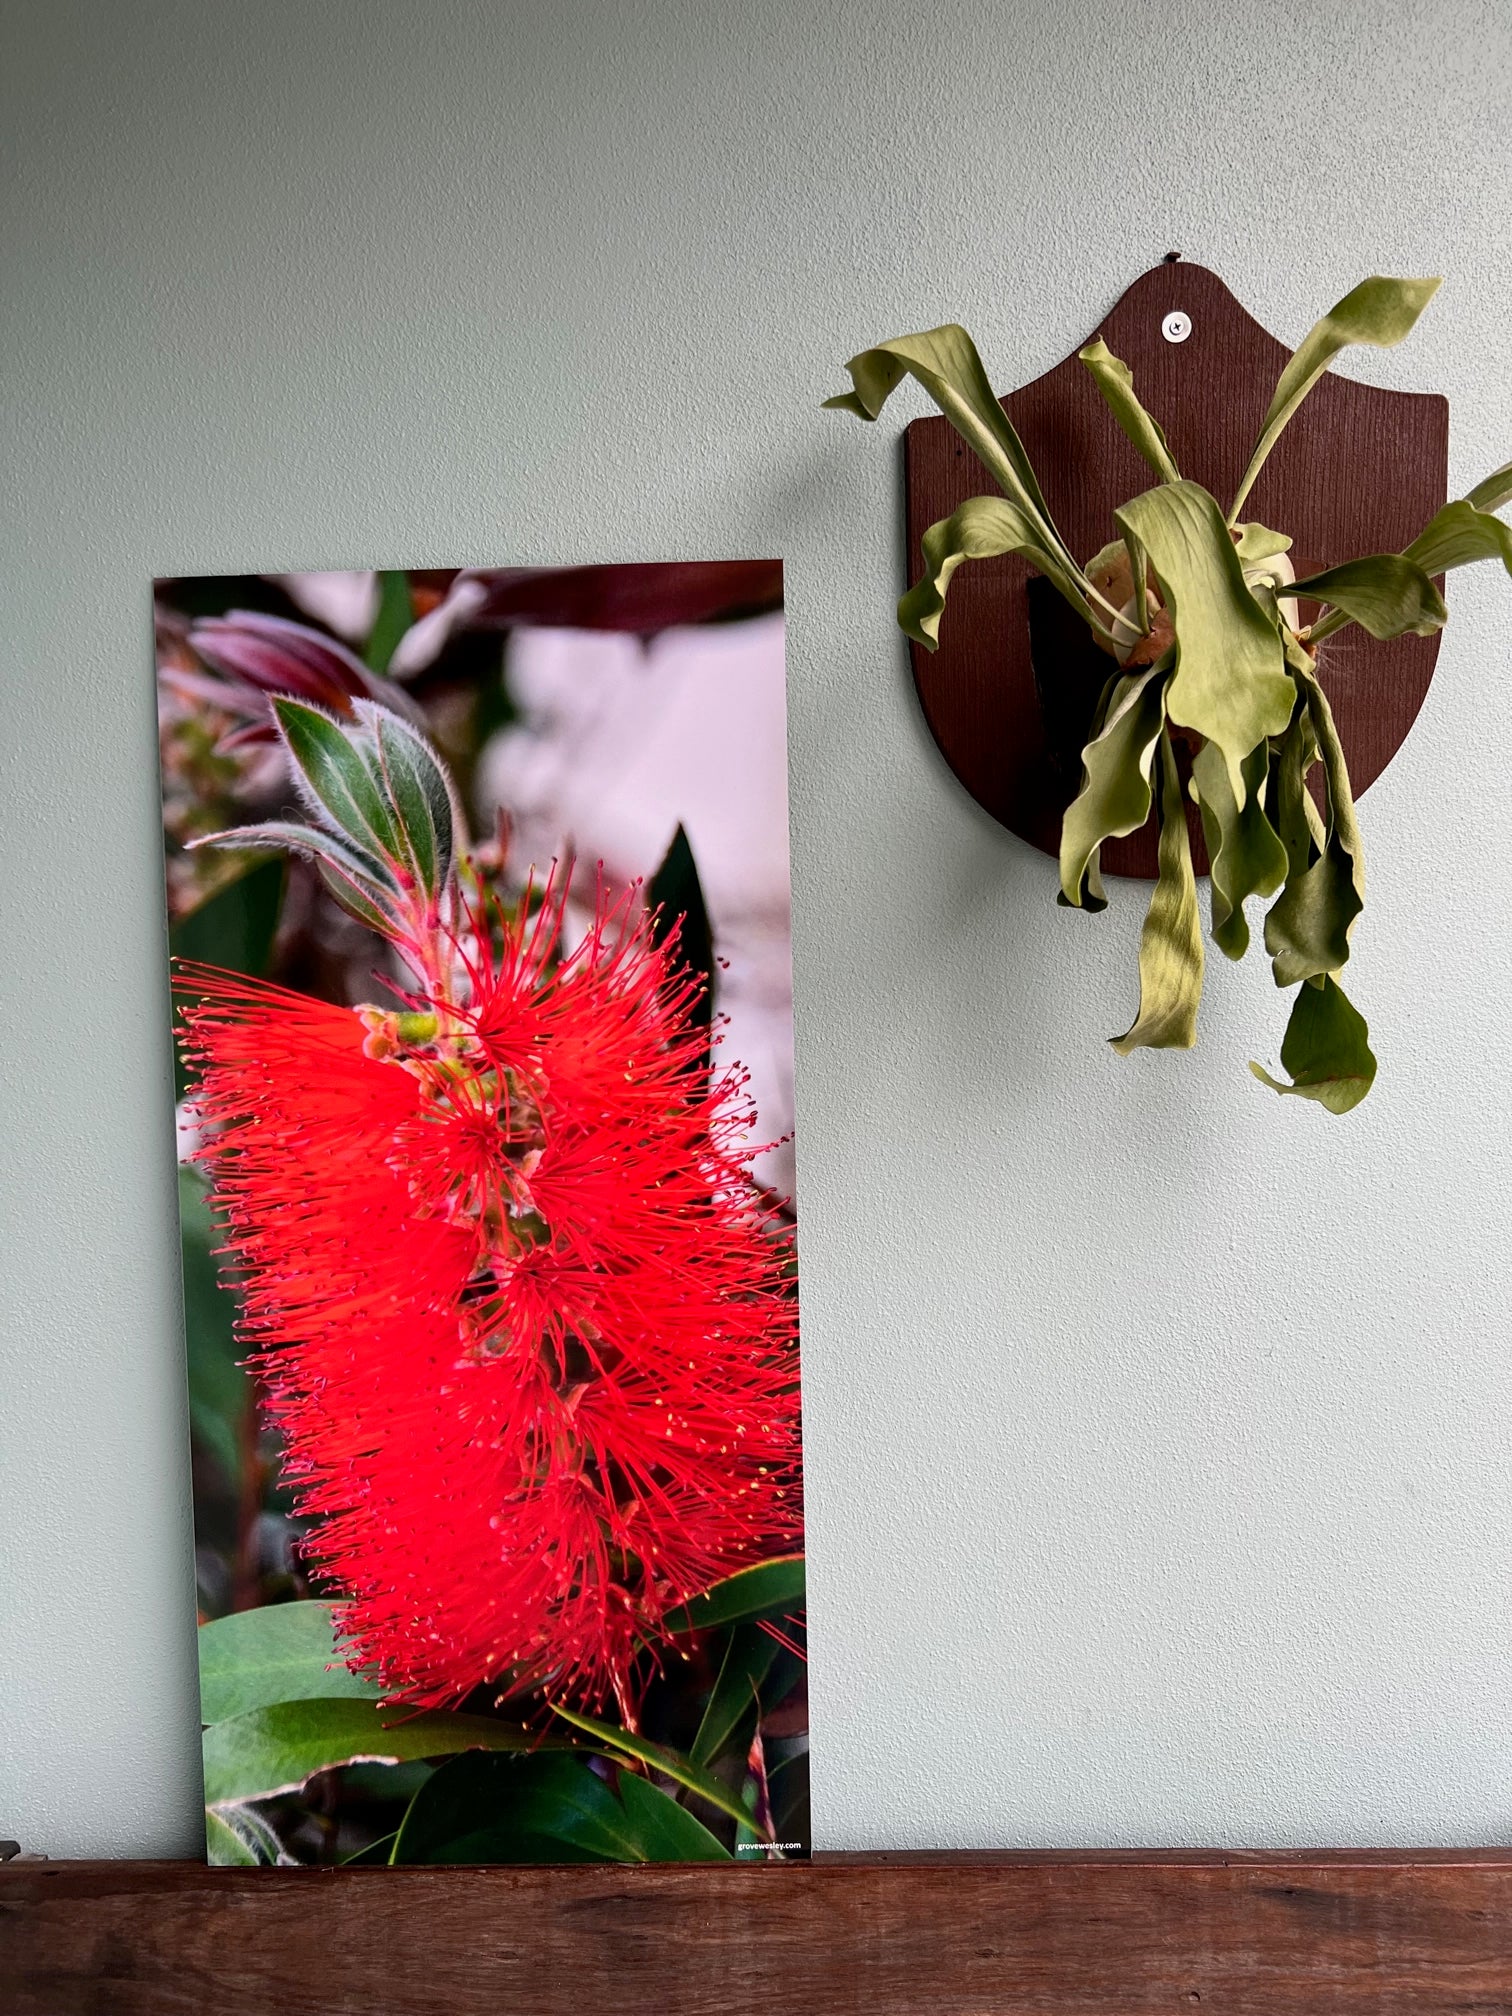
(1199, 610)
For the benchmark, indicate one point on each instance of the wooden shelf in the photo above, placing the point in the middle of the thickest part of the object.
(1337, 1934)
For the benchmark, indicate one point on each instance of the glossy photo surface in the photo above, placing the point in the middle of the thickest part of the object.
(478, 902)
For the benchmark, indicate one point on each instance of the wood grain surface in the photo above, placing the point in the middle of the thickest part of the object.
(929, 1935)
(1359, 470)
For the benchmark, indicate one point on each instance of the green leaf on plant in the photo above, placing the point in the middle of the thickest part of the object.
(1296, 818)
(546, 1808)
(1458, 536)
(1170, 945)
(1307, 931)
(282, 1652)
(410, 774)
(1244, 849)
(276, 1749)
(735, 1700)
(662, 1830)
(1115, 381)
(1139, 581)
(770, 1589)
(396, 612)
(1230, 683)
(384, 820)
(1326, 1049)
(536, 1807)
(227, 1847)
(946, 364)
(1379, 311)
(979, 529)
(335, 782)
(1115, 796)
(671, 1763)
(1492, 491)
(355, 879)
(1385, 593)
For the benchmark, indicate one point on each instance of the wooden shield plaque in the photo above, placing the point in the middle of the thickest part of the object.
(1010, 692)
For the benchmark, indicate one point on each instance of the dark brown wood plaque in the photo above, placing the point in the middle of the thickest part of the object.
(1362, 1934)
(1359, 470)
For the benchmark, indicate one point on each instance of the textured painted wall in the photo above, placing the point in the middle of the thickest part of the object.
(1121, 1531)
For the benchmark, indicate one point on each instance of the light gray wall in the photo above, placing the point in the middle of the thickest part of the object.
(1157, 1428)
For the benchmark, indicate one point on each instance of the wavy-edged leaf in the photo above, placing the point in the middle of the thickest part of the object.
(735, 1699)
(1170, 944)
(1296, 818)
(671, 1763)
(1230, 681)
(1115, 381)
(1326, 1049)
(1457, 536)
(1385, 593)
(276, 1749)
(281, 1652)
(945, 362)
(979, 529)
(1380, 312)
(1115, 795)
(1244, 848)
(1308, 929)
(769, 1589)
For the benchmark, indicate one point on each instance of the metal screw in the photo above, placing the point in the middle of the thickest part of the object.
(1176, 327)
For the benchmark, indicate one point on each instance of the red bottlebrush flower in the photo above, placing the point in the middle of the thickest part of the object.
(526, 1328)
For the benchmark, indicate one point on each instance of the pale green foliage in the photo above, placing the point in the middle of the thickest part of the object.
(1115, 381)
(1202, 611)
(1230, 683)
(1244, 848)
(1379, 312)
(976, 530)
(1387, 594)
(1170, 945)
(1115, 797)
